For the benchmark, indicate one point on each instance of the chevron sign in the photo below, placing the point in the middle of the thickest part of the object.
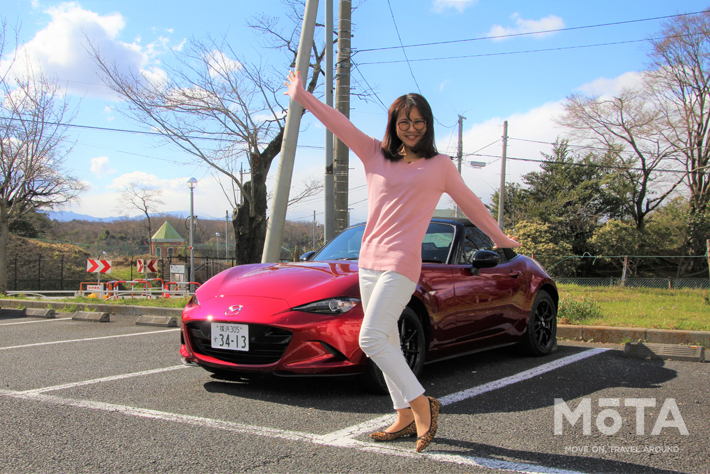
(147, 265)
(98, 266)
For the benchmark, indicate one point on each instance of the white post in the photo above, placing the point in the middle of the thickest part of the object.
(275, 227)
(501, 193)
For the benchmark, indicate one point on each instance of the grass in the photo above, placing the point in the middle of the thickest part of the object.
(581, 305)
(635, 307)
(155, 302)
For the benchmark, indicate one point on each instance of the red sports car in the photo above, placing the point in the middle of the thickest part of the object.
(303, 318)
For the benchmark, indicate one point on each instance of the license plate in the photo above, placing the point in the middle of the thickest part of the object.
(233, 337)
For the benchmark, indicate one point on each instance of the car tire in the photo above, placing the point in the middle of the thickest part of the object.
(413, 342)
(540, 338)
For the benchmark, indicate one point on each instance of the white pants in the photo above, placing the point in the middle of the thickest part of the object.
(384, 296)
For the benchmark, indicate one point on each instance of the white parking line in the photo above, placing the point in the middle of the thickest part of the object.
(372, 425)
(41, 321)
(87, 339)
(103, 379)
(289, 435)
(341, 438)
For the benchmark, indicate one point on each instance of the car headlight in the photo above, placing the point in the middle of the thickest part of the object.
(193, 301)
(333, 306)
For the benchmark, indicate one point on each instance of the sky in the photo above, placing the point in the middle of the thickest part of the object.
(489, 61)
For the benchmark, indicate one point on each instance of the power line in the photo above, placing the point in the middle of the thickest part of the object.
(513, 35)
(507, 53)
(402, 45)
(591, 165)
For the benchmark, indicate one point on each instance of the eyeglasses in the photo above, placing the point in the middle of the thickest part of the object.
(418, 124)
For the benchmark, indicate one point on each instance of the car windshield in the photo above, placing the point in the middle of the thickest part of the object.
(436, 246)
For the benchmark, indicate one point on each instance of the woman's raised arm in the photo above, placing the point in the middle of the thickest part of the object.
(361, 144)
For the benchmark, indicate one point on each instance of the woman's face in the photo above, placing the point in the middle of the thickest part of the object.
(415, 126)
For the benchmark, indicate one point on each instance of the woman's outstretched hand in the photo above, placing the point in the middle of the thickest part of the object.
(512, 243)
(293, 82)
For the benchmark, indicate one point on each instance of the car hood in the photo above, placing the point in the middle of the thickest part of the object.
(297, 283)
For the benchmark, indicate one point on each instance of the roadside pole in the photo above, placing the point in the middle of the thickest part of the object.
(501, 193)
(329, 179)
(275, 227)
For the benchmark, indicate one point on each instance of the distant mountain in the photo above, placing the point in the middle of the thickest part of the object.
(66, 216)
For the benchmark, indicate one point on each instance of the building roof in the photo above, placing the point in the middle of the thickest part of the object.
(167, 233)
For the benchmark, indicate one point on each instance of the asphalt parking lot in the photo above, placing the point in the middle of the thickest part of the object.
(113, 397)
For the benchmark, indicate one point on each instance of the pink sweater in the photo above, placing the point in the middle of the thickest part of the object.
(401, 197)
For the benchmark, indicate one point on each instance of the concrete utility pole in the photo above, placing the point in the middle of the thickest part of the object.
(501, 193)
(279, 203)
(328, 182)
(460, 155)
(342, 104)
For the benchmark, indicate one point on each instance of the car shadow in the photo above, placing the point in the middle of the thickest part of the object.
(610, 369)
(347, 393)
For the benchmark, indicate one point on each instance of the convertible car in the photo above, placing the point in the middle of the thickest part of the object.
(303, 318)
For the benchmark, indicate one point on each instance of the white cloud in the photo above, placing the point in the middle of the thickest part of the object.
(60, 49)
(550, 22)
(220, 64)
(612, 87)
(139, 178)
(460, 5)
(179, 47)
(100, 166)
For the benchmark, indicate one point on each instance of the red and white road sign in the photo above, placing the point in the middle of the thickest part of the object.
(98, 266)
(147, 265)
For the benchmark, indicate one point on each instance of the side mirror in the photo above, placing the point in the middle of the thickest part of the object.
(485, 259)
(307, 256)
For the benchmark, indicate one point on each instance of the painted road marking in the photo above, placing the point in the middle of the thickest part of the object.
(288, 435)
(103, 379)
(372, 425)
(341, 438)
(87, 339)
(41, 321)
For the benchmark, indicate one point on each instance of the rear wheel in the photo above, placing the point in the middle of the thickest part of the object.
(540, 338)
(413, 343)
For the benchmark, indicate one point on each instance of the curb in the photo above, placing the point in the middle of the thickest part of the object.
(603, 334)
(618, 335)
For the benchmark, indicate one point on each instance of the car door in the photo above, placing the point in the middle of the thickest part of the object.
(488, 301)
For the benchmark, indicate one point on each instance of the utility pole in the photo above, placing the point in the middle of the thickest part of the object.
(501, 193)
(279, 202)
(342, 104)
(314, 230)
(328, 184)
(460, 155)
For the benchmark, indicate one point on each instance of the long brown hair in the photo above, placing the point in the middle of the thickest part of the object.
(392, 145)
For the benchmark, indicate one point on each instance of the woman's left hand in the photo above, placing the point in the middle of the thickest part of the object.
(293, 82)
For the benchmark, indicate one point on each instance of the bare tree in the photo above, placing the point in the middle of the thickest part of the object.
(33, 122)
(628, 126)
(143, 199)
(680, 80)
(223, 111)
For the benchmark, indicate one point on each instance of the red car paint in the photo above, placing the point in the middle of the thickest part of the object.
(463, 310)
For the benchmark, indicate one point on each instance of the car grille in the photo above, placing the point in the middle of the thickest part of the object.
(266, 344)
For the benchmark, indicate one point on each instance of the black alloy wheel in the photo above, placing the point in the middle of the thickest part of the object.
(541, 336)
(413, 343)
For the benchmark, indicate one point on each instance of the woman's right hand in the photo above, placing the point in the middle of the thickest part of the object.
(293, 82)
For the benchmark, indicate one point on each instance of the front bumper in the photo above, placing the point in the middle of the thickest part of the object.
(285, 343)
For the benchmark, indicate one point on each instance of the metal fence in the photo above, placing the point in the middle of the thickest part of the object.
(663, 283)
(63, 274)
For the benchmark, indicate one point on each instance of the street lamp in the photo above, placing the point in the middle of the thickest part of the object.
(216, 245)
(191, 183)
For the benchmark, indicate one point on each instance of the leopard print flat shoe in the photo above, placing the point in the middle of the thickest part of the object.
(424, 440)
(410, 430)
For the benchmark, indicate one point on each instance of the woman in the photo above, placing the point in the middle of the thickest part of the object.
(406, 177)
